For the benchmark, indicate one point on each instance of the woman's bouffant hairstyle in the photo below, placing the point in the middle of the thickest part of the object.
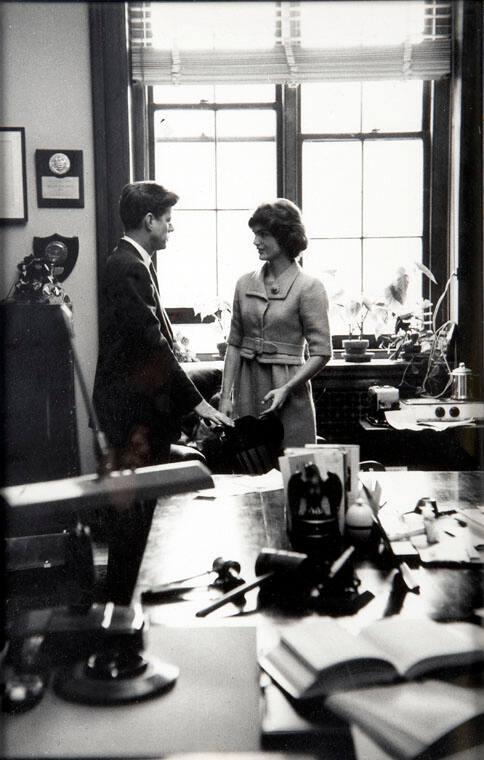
(283, 220)
(140, 198)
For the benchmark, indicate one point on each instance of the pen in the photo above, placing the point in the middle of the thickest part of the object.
(340, 562)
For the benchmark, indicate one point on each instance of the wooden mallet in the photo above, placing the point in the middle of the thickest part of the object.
(270, 562)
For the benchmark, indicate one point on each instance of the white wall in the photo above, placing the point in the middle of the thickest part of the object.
(46, 88)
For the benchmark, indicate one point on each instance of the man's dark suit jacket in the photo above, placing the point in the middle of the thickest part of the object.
(138, 379)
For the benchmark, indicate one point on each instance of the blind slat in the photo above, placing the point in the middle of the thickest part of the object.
(428, 60)
(287, 60)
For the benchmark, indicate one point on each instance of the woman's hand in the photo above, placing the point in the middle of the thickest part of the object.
(226, 406)
(209, 413)
(276, 398)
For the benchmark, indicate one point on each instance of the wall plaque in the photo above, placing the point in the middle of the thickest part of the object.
(60, 182)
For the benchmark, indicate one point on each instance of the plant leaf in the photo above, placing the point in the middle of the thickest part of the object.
(426, 271)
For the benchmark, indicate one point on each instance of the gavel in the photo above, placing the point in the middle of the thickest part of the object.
(269, 563)
(228, 577)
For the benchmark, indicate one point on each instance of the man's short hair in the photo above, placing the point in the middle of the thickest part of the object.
(140, 198)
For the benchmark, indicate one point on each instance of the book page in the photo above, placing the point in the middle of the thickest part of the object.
(408, 643)
(319, 657)
(322, 643)
(404, 719)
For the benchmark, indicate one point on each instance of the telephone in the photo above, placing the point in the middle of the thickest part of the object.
(96, 656)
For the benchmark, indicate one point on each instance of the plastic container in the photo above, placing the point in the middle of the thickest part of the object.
(359, 521)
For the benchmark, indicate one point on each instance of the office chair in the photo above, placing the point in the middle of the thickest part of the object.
(252, 447)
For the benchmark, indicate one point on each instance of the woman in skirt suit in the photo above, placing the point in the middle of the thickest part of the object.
(279, 335)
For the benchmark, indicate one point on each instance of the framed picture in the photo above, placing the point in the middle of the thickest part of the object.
(59, 177)
(13, 178)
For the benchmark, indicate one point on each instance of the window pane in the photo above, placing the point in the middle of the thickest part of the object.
(331, 185)
(382, 258)
(338, 264)
(186, 269)
(183, 93)
(246, 174)
(220, 93)
(392, 106)
(180, 123)
(244, 123)
(188, 170)
(330, 107)
(244, 93)
(393, 175)
(237, 254)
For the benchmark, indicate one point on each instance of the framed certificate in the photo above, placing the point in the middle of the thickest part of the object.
(13, 180)
(59, 175)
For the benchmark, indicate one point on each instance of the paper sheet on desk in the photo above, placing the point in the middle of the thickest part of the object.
(405, 419)
(234, 485)
(402, 419)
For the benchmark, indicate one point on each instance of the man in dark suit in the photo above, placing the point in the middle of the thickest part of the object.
(140, 390)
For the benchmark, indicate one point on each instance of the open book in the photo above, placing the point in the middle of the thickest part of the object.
(413, 720)
(319, 657)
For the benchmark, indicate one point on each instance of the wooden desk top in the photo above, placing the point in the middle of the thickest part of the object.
(189, 531)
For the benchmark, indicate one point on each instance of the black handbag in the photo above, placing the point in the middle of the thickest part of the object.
(252, 446)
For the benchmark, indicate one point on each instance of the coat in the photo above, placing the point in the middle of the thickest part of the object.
(138, 379)
(272, 332)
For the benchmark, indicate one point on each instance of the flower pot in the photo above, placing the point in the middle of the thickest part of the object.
(222, 348)
(356, 350)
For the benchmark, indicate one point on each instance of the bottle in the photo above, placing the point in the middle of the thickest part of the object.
(430, 526)
(359, 521)
(461, 383)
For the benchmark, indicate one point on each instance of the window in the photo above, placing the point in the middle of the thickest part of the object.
(362, 178)
(335, 105)
(216, 148)
(361, 184)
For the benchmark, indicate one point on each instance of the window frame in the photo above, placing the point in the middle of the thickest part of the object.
(289, 145)
(214, 107)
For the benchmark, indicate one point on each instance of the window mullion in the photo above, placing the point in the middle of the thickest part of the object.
(291, 148)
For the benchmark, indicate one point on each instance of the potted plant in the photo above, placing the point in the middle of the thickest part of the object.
(385, 315)
(356, 309)
(219, 311)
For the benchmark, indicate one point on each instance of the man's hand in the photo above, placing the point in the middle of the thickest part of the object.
(208, 412)
(276, 398)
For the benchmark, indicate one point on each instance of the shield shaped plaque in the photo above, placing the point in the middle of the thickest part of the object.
(63, 250)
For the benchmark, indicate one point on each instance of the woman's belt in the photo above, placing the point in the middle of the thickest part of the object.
(252, 347)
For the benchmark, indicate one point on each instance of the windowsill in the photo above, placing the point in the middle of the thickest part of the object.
(379, 358)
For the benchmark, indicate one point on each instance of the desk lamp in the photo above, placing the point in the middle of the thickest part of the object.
(117, 671)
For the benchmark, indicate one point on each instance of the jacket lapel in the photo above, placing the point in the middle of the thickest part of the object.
(285, 281)
(256, 285)
(165, 323)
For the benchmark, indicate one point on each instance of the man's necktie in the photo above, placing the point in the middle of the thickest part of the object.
(164, 317)
(154, 276)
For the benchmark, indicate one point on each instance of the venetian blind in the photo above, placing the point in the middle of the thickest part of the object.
(289, 42)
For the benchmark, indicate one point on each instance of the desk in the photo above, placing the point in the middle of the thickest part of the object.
(187, 533)
(459, 448)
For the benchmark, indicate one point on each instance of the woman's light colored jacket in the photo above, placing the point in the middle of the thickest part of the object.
(272, 328)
